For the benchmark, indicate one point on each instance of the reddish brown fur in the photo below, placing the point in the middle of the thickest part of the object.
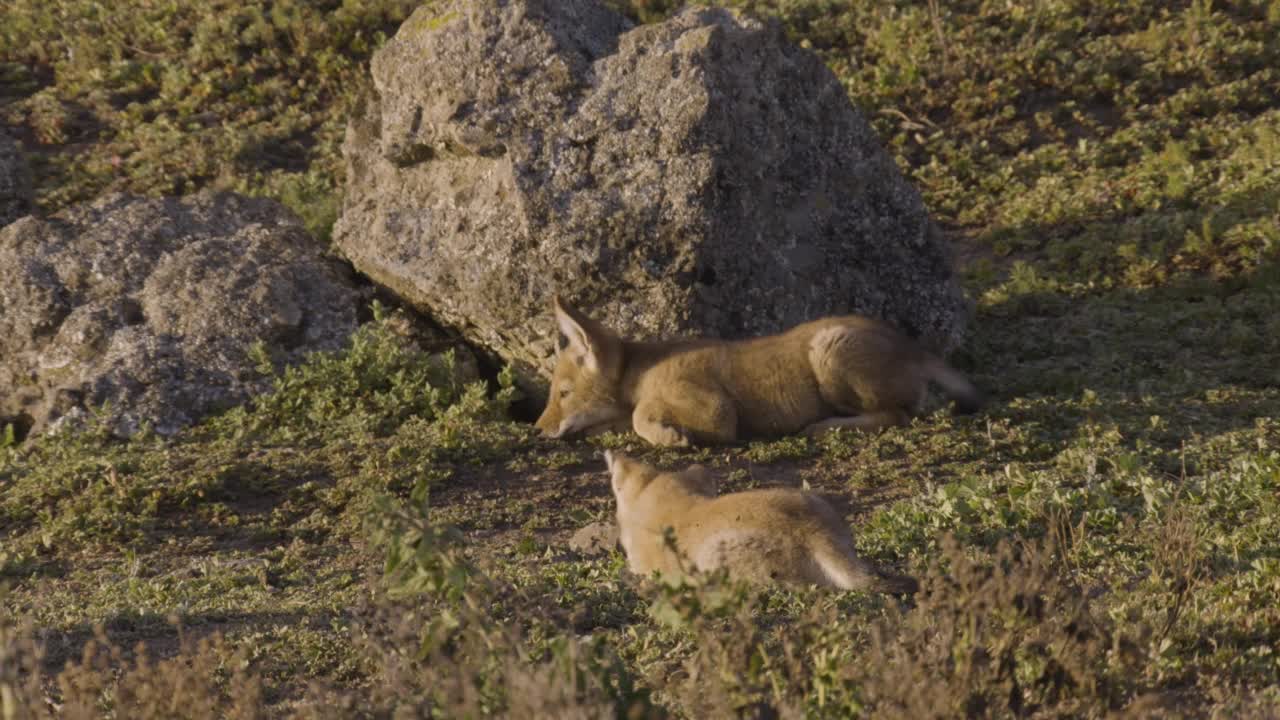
(775, 535)
(848, 371)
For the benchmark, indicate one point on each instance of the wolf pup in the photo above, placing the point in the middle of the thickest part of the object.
(777, 535)
(836, 372)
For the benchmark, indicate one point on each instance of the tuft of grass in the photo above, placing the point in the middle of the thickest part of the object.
(373, 386)
(205, 679)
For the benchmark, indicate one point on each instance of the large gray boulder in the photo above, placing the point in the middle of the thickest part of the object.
(698, 176)
(150, 307)
(15, 181)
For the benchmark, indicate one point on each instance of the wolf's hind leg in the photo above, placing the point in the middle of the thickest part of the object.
(863, 373)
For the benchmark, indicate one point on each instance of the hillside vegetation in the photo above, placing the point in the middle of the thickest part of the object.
(376, 539)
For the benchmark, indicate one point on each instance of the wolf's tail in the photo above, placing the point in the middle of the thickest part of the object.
(969, 399)
(845, 570)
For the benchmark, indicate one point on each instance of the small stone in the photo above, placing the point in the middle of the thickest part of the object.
(598, 538)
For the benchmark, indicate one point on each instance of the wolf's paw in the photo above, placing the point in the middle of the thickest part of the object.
(821, 429)
(663, 434)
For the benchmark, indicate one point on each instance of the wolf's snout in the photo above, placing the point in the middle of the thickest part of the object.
(547, 426)
(566, 428)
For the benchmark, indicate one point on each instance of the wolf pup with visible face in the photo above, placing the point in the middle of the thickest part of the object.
(836, 372)
(776, 535)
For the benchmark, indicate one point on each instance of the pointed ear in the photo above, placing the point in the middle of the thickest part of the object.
(594, 344)
(570, 327)
(617, 463)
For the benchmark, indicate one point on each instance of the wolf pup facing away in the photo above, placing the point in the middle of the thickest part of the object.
(836, 372)
(777, 535)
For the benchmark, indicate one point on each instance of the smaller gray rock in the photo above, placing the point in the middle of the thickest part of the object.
(149, 308)
(15, 182)
(598, 538)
